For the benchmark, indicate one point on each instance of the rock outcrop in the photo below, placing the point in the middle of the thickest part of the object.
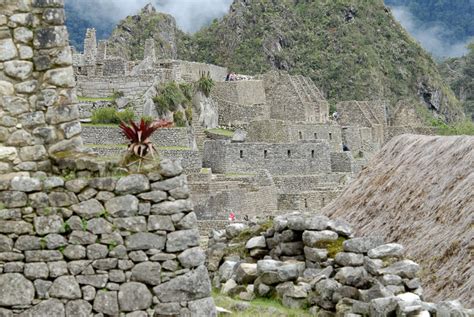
(418, 191)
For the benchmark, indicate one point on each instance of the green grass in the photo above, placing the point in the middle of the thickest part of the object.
(221, 132)
(91, 99)
(239, 174)
(260, 307)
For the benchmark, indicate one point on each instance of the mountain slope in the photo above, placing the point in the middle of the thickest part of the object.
(129, 36)
(351, 49)
(459, 73)
(417, 192)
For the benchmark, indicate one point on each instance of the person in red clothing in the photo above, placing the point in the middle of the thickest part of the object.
(231, 216)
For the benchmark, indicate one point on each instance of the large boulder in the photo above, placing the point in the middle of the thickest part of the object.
(134, 296)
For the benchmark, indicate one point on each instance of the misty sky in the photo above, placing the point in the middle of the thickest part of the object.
(191, 15)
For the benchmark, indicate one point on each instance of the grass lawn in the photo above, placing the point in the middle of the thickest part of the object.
(173, 148)
(222, 132)
(260, 307)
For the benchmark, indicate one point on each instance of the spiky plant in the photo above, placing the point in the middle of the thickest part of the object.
(139, 136)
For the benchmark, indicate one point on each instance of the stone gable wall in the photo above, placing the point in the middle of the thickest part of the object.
(103, 87)
(101, 246)
(38, 115)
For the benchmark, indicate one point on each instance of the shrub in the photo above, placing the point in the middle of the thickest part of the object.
(117, 94)
(187, 90)
(126, 115)
(110, 115)
(465, 127)
(169, 98)
(179, 120)
(205, 84)
(147, 119)
(189, 114)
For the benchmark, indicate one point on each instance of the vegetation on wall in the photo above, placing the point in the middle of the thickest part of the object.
(205, 84)
(111, 115)
(171, 96)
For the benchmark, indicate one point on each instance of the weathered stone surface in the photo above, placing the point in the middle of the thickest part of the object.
(315, 238)
(78, 308)
(160, 223)
(57, 269)
(42, 288)
(48, 224)
(61, 77)
(8, 153)
(383, 306)
(405, 269)
(106, 303)
(315, 255)
(170, 183)
(181, 240)
(192, 257)
(187, 222)
(75, 252)
(27, 243)
(82, 237)
(386, 250)
(190, 286)
(352, 276)
(145, 241)
(132, 184)
(123, 206)
(132, 224)
(88, 209)
(341, 227)
(172, 207)
(7, 50)
(97, 251)
(62, 199)
(50, 307)
(96, 280)
(19, 69)
(226, 270)
(17, 227)
(6, 243)
(256, 242)
(15, 290)
(233, 230)
(169, 168)
(35, 271)
(76, 185)
(134, 296)
(25, 184)
(203, 307)
(53, 182)
(43, 256)
(362, 245)
(296, 222)
(13, 199)
(317, 223)
(155, 196)
(246, 273)
(349, 259)
(65, 287)
(147, 272)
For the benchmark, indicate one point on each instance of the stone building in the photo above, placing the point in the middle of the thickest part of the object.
(73, 243)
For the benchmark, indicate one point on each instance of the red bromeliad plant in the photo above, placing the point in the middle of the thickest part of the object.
(139, 136)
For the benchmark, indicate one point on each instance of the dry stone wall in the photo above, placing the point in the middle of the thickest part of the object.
(38, 116)
(311, 261)
(101, 246)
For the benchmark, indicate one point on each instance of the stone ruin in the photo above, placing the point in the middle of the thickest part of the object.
(309, 261)
(288, 137)
(78, 244)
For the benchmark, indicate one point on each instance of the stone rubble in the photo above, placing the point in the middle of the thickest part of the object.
(328, 271)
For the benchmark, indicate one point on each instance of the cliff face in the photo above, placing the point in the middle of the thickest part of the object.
(129, 36)
(418, 191)
(354, 50)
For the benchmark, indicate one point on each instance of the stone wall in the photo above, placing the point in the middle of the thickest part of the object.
(103, 87)
(312, 262)
(87, 107)
(38, 116)
(170, 137)
(101, 246)
(342, 162)
(278, 159)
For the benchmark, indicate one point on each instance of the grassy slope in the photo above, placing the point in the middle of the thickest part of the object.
(371, 57)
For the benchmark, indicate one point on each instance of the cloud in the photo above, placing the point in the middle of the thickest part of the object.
(433, 37)
(190, 15)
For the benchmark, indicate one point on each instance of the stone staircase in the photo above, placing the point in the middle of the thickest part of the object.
(199, 131)
(308, 93)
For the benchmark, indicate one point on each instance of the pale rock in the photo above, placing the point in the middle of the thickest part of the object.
(18, 69)
(7, 50)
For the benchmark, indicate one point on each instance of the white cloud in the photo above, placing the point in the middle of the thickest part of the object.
(190, 15)
(433, 37)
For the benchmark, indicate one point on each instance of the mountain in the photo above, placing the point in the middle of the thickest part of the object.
(459, 73)
(351, 49)
(455, 17)
(129, 36)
